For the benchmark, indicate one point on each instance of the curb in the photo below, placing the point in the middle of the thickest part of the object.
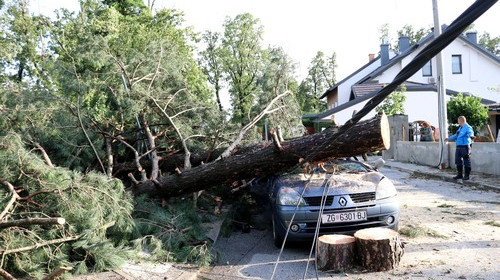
(471, 183)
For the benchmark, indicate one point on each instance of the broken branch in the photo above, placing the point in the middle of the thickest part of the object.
(32, 221)
(14, 197)
(6, 275)
(276, 141)
(38, 245)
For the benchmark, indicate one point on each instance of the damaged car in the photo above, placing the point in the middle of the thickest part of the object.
(352, 195)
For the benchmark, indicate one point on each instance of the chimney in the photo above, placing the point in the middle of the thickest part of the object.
(371, 56)
(384, 53)
(472, 36)
(404, 43)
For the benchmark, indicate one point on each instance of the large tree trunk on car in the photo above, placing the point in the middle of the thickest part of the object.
(379, 249)
(336, 252)
(365, 136)
(176, 160)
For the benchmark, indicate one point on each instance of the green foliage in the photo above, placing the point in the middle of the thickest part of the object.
(394, 103)
(97, 212)
(277, 77)
(384, 33)
(470, 107)
(174, 233)
(127, 7)
(321, 76)
(211, 62)
(20, 35)
(491, 44)
(242, 61)
(415, 35)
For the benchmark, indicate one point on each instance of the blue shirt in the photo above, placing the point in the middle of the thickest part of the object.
(463, 135)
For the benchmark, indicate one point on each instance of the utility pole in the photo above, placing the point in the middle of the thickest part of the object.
(441, 90)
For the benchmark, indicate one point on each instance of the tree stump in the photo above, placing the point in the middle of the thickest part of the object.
(335, 252)
(379, 249)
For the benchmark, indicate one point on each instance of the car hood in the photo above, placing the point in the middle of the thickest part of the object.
(338, 184)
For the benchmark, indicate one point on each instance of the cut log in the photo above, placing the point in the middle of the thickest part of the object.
(336, 252)
(366, 136)
(379, 249)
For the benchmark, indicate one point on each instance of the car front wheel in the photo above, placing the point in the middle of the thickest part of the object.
(277, 236)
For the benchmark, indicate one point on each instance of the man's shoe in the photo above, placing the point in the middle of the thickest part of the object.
(459, 172)
(467, 173)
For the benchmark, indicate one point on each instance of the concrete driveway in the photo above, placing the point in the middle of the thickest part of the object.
(456, 233)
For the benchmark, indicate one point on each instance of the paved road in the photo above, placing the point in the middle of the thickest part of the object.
(461, 239)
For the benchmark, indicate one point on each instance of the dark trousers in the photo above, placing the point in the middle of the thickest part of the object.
(462, 156)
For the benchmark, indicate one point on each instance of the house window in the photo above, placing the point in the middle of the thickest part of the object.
(427, 69)
(456, 64)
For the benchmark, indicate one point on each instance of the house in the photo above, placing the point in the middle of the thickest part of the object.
(468, 68)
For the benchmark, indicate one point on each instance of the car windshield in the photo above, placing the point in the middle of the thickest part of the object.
(331, 168)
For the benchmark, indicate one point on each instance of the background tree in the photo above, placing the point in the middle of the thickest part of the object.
(277, 78)
(413, 33)
(470, 107)
(211, 62)
(384, 33)
(242, 60)
(321, 76)
(489, 43)
(394, 103)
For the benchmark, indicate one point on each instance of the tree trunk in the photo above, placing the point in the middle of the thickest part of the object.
(176, 160)
(365, 136)
(336, 252)
(379, 249)
(152, 147)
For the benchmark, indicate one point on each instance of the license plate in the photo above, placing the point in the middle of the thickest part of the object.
(343, 217)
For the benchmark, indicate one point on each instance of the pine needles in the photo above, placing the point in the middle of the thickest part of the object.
(104, 225)
(97, 213)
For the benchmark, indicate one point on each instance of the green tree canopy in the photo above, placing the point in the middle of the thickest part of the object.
(321, 76)
(490, 43)
(242, 60)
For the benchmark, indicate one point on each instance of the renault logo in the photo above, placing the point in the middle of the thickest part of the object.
(342, 201)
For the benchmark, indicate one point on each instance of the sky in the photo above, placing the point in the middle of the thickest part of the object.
(350, 28)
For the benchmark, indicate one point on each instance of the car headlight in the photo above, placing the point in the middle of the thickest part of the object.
(385, 189)
(289, 196)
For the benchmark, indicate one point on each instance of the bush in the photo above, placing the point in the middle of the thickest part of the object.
(470, 107)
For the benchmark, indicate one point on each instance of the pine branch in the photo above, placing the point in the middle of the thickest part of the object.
(56, 273)
(264, 112)
(14, 197)
(33, 221)
(38, 245)
(6, 275)
(45, 155)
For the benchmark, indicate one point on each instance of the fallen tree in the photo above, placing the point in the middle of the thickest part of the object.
(365, 136)
(343, 143)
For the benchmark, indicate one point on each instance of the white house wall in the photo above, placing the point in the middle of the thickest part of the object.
(388, 75)
(480, 74)
(344, 89)
(346, 114)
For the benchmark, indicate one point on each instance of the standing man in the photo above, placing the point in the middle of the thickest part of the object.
(464, 137)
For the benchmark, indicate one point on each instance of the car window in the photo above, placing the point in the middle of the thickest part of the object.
(350, 167)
